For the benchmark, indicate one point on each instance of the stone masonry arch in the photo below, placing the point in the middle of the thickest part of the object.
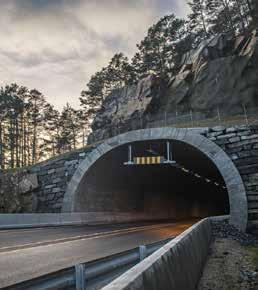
(231, 176)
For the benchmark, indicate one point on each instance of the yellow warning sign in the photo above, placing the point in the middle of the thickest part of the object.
(148, 160)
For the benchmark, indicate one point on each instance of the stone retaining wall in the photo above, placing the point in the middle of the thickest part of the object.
(53, 178)
(240, 143)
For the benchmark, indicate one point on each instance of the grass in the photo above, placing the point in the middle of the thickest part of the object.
(254, 254)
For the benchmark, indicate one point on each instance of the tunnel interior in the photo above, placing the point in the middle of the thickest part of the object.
(158, 191)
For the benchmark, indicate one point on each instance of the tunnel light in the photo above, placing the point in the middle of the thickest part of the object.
(197, 175)
(200, 176)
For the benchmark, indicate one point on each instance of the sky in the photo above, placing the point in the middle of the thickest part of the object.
(56, 45)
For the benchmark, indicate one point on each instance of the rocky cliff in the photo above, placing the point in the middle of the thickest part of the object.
(221, 74)
(16, 191)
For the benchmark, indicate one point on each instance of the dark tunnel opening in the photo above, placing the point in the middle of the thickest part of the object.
(159, 191)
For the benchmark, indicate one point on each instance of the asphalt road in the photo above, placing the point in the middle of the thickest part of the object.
(19, 264)
(27, 238)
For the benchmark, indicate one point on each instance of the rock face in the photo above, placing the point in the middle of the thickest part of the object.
(124, 105)
(16, 191)
(221, 74)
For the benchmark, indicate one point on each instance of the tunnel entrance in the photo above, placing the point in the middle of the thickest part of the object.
(192, 189)
(102, 182)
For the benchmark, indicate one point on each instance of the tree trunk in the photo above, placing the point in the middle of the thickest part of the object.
(1, 146)
(241, 16)
(226, 6)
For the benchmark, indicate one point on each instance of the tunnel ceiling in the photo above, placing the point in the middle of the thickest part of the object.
(185, 155)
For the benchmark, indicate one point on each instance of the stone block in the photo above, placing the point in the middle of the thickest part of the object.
(251, 198)
(51, 171)
(246, 161)
(248, 169)
(233, 150)
(242, 143)
(231, 130)
(248, 153)
(56, 180)
(226, 136)
(217, 128)
(47, 191)
(50, 186)
(28, 183)
(71, 162)
(51, 196)
(60, 170)
(234, 156)
(244, 133)
(56, 189)
(249, 137)
(213, 134)
(222, 141)
(234, 139)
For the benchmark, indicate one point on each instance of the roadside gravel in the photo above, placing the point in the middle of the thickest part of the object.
(231, 261)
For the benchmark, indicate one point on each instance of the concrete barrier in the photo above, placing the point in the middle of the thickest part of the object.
(30, 220)
(175, 266)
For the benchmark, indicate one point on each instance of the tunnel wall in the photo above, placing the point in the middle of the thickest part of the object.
(240, 143)
(110, 186)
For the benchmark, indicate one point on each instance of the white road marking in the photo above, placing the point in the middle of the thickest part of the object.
(6, 250)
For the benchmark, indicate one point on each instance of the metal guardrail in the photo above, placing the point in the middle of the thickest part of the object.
(91, 275)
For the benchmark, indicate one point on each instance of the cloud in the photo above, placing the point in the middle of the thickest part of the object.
(56, 45)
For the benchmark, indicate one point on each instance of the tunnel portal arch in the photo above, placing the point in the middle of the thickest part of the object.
(233, 181)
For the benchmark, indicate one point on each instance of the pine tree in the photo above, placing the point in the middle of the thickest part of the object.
(36, 108)
(198, 18)
(52, 131)
(158, 50)
(69, 129)
(219, 15)
(117, 74)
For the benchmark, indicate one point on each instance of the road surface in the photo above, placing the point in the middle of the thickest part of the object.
(30, 253)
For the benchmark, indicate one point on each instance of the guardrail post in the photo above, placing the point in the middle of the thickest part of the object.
(219, 117)
(191, 117)
(165, 119)
(246, 116)
(142, 252)
(141, 122)
(80, 277)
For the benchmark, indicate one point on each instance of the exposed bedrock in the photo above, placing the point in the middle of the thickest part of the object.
(221, 73)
